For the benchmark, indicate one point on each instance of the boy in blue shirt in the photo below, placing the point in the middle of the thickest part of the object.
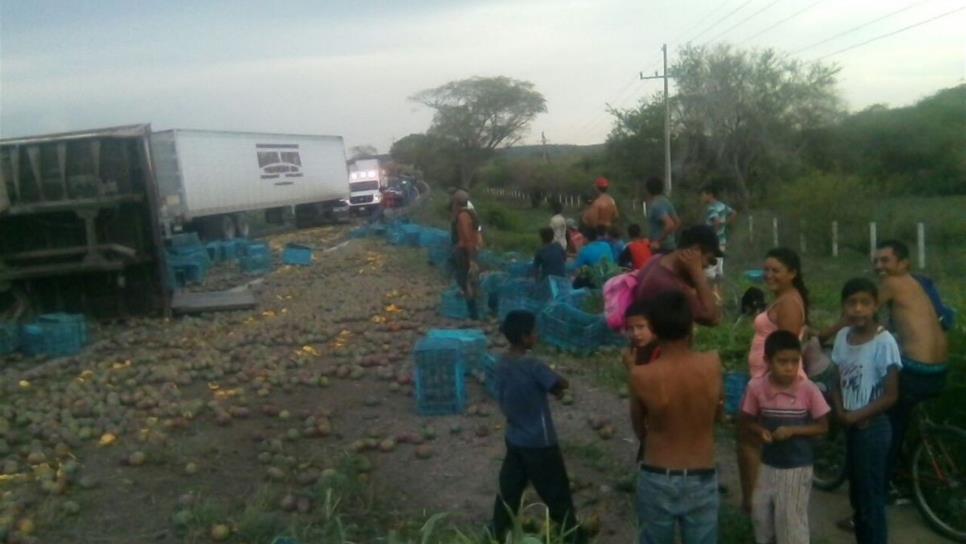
(868, 360)
(532, 453)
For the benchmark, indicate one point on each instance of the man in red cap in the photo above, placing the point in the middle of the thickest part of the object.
(603, 210)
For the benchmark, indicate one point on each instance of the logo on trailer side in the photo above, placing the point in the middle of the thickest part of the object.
(279, 161)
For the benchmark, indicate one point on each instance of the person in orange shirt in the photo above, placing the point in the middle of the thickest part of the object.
(603, 210)
(466, 242)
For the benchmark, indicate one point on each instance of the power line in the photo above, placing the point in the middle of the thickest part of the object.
(719, 21)
(785, 20)
(707, 16)
(893, 33)
(743, 21)
(863, 25)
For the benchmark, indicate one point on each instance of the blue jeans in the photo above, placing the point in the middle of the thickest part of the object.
(868, 450)
(664, 502)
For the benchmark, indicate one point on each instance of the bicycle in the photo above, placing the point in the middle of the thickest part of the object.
(937, 469)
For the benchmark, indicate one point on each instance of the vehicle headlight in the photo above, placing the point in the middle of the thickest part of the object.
(377, 197)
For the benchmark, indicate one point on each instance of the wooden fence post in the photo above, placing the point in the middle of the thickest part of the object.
(921, 243)
(774, 231)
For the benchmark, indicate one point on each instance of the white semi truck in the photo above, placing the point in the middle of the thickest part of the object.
(210, 181)
(367, 179)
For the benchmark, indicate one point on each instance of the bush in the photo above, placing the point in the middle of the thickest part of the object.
(499, 218)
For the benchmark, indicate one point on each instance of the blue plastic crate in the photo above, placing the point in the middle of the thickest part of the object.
(256, 249)
(519, 269)
(233, 249)
(735, 384)
(571, 329)
(757, 275)
(473, 342)
(185, 269)
(55, 335)
(439, 255)
(429, 237)
(412, 233)
(395, 235)
(216, 251)
(9, 338)
(185, 239)
(439, 376)
(553, 288)
(256, 265)
(297, 255)
(518, 294)
(453, 305)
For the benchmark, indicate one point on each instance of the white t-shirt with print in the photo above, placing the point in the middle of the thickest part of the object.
(863, 367)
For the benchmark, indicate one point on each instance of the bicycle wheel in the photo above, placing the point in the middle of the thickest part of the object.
(829, 468)
(939, 479)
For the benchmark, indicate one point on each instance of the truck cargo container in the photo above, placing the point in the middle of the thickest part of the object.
(79, 228)
(210, 180)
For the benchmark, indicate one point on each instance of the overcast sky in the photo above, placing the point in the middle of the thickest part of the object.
(347, 67)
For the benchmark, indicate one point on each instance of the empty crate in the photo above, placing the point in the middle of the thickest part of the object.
(473, 342)
(55, 335)
(439, 376)
(297, 255)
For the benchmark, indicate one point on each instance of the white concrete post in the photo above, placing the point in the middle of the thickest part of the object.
(835, 238)
(921, 243)
(774, 231)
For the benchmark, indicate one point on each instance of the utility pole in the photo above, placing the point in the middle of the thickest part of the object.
(543, 141)
(667, 121)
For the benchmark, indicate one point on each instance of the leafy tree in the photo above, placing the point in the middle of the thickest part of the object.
(431, 155)
(738, 117)
(478, 115)
(362, 151)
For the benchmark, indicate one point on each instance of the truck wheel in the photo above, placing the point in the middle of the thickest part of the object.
(228, 231)
(242, 228)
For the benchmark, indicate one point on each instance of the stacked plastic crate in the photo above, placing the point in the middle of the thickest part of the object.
(453, 305)
(439, 376)
(489, 374)
(571, 329)
(188, 260)
(473, 342)
(518, 294)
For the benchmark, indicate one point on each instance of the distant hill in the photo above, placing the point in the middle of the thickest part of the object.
(536, 151)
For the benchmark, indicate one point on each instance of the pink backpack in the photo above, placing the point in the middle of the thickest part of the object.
(618, 297)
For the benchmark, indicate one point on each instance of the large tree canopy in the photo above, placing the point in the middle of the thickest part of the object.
(738, 117)
(478, 115)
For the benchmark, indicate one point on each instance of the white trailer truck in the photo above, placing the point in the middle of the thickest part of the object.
(367, 178)
(210, 180)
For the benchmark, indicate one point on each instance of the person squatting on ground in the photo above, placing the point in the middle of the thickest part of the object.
(788, 312)
(532, 453)
(868, 360)
(785, 411)
(680, 392)
(465, 236)
(602, 212)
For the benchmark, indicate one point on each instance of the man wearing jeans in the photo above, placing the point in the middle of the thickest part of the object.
(680, 395)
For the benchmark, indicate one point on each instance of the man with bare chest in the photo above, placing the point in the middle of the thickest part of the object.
(915, 323)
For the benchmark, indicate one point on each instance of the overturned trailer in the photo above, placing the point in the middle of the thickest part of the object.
(79, 229)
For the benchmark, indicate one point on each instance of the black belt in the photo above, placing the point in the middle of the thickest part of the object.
(678, 471)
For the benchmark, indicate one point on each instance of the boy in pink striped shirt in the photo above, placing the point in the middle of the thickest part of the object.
(786, 411)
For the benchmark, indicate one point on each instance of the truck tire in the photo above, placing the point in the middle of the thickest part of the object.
(242, 227)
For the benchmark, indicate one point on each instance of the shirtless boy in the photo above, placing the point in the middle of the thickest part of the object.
(680, 392)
